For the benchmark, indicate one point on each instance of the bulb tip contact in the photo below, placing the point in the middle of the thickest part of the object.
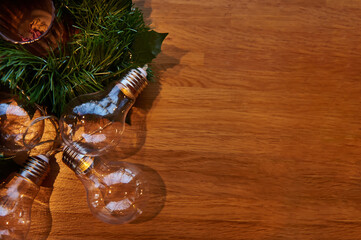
(143, 70)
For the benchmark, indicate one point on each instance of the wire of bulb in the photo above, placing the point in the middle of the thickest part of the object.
(54, 147)
(54, 120)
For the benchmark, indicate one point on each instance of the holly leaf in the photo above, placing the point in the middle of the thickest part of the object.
(146, 46)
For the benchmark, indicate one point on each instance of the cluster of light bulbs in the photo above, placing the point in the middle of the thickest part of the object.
(90, 125)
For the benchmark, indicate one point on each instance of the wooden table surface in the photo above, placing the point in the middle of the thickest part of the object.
(252, 131)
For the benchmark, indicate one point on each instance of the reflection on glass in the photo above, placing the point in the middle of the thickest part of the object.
(16, 198)
(18, 131)
(93, 123)
(115, 190)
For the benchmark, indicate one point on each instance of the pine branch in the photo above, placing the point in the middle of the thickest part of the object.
(99, 53)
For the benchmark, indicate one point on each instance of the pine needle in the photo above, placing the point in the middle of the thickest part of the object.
(98, 54)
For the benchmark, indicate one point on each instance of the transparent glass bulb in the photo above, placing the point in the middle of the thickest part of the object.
(16, 199)
(115, 190)
(19, 130)
(92, 123)
(17, 195)
(32, 24)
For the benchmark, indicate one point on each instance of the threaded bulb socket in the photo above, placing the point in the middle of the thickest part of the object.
(77, 162)
(35, 169)
(134, 82)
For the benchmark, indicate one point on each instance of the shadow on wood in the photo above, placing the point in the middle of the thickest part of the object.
(156, 194)
(41, 222)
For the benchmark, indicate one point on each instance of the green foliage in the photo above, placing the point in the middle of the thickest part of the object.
(111, 38)
(147, 46)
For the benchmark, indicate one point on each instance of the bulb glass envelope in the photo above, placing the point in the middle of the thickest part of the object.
(16, 199)
(17, 195)
(93, 123)
(115, 191)
(30, 23)
(18, 131)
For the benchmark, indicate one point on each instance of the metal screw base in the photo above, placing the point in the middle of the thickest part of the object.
(134, 82)
(77, 162)
(35, 169)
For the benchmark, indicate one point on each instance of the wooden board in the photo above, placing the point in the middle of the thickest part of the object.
(251, 132)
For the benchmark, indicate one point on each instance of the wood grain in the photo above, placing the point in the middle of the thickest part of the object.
(251, 132)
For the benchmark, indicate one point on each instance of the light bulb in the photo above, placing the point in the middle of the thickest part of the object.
(90, 125)
(93, 123)
(19, 128)
(17, 195)
(32, 24)
(115, 190)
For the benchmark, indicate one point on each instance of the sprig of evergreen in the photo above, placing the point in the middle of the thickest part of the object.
(111, 38)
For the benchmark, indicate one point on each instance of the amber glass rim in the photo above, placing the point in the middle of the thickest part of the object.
(38, 38)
